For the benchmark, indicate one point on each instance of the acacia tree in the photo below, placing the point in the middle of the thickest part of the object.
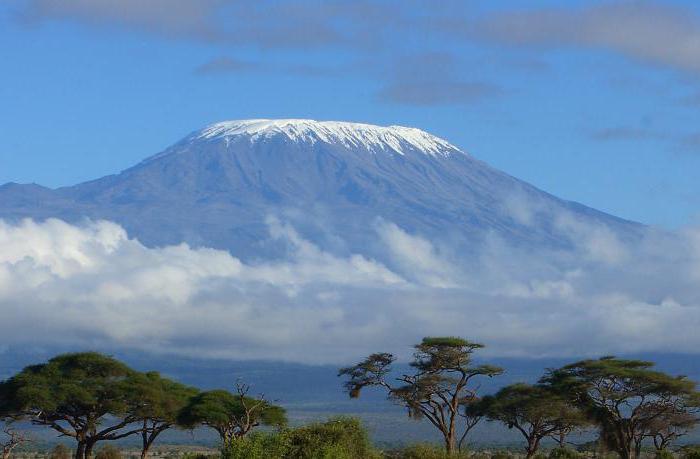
(155, 404)
(623, 397)
(535, 411)
(79, 395)
(678, 419)
(232, 415)
(437, 390)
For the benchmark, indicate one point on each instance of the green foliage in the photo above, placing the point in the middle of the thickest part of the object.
(158, 398)
(449, 354)
(447, 341)
(258, 445)
(68, 383)
(564, 453)
(231, 415)
(108, 451)
(369, 372)
(500, 455)
(338, 438)
(536, 411)
(60, 451)
(618, 393)
(155, 402)
(75, 394)
(439, 388)
(92, 397)
(341, 438)
(426, 451)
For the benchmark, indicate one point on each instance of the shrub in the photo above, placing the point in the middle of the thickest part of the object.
(337, 438)
(108, 451)
(563, 453)
(427, 451)
(258, 445)
(60, 451)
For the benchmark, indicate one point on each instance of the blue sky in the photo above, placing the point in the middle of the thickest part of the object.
(595, 101)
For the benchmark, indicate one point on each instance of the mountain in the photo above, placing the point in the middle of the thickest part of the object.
(332, 181)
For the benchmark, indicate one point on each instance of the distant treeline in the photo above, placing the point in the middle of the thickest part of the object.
(94, 398)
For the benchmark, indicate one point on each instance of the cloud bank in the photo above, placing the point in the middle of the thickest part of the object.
(91, 286)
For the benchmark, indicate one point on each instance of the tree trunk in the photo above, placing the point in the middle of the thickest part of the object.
(148, 441)
(532, 446)
(80, 450)
(450, 444)
(625, 452)
(637, 449)
(145, 444)
(89, 446)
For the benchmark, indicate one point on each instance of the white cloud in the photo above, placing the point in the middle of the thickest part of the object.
(90, 286)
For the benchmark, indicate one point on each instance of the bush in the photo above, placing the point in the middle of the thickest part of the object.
(108, 451)
(258, 445)
(338, 438)
(60, 451)
(563, 453)
(427, 451)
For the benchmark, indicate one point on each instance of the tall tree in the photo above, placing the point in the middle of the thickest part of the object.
(622, 397)
(79, 395)
(438, 388)
(535, 411)
(231, 415)
(154, 404)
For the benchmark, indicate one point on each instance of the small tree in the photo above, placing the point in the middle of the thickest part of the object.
(12, 439)
(623, 397)
(155, 403)
(437, 390)
(79, 395)
(535, 411)
(231, 415)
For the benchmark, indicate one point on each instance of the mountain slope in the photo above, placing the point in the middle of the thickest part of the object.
(332, 181)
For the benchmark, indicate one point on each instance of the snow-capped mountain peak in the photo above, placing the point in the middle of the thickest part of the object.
(351, 135)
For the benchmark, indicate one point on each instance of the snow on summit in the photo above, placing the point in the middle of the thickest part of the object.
(350, 135)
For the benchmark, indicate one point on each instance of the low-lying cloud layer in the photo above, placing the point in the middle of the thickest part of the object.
(92, 286)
